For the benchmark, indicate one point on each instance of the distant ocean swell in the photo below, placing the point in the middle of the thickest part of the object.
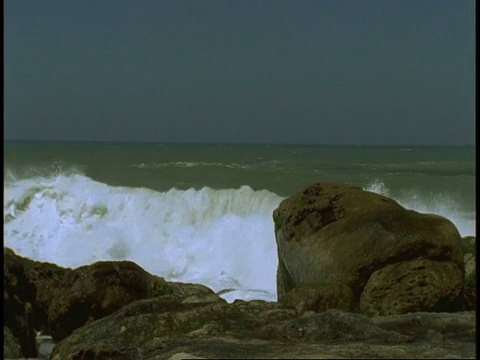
(221, 238)
(187, 164)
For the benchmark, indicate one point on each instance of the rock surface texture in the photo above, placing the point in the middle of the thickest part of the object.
(394, 260)
(29, 288)
(92, 292)
(191, 321)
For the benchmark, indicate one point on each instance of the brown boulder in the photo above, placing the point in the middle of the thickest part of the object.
(18, 294)
(47, 278)
(94, 291)
(334, 232)
(28, 290)
(410, 286)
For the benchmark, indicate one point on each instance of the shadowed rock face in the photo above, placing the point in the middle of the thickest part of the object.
(29, 288)
(11, 345)
(336, 233)
(409, 286)
(469, 258)
(153, 324)
(161, 327)
(94, 291)
(319, 298)
(189, 320)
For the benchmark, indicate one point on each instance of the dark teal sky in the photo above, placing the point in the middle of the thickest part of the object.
(382, 72)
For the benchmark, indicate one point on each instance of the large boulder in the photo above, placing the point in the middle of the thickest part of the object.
(28, 290)
(93, 291)
(55, 300)
(410, 286)
(337, 233)
(18, 295)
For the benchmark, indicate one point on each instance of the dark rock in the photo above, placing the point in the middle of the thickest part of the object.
(469, 258)
(319, 298)
(151, 325)
(11, 345)
(470, 291)
(159, 328)
(458, 326)
(28, 290)
(193, 293)
(145, 324)
(18, 295)
(333, 325)
(189, 320)
(416, 285)
(94, 291)
(43, 296)
(46, 278)
(468, 244)
(434, 336)
(333, 232)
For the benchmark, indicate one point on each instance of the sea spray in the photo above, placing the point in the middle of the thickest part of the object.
(221, 238)
(443, 204)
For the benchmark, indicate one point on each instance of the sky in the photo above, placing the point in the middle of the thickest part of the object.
(371, 72)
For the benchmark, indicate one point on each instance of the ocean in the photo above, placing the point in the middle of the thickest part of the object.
(202, 213)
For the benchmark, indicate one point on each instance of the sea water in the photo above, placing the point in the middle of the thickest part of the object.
(202, 213)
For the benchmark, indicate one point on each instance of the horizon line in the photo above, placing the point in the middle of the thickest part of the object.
(242, 143)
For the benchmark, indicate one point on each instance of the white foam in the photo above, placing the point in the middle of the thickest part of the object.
(220, 238)
(223, 239)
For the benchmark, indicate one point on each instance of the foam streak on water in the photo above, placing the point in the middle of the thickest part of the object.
(223, 239)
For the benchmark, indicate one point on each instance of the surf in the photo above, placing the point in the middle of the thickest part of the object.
(222, 238)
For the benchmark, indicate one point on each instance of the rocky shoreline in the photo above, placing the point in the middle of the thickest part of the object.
(189, 320)
(117, 310)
